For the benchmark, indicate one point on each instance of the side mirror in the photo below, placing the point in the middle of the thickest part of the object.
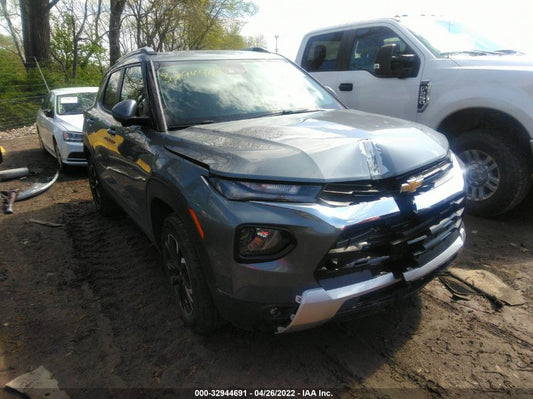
(390, 64)
(48, 113)
(126, 113)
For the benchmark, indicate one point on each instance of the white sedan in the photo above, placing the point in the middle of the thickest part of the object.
(60, 123)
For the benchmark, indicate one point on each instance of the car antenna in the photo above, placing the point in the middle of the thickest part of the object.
(41, 72)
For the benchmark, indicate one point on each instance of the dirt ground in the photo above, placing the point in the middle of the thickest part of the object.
(88, 301)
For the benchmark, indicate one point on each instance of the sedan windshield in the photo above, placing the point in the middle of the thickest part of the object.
(446, 38)
(208, 91)
(74, 103)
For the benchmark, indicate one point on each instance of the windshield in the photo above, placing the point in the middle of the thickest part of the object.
(74, 103)
(445, 38)
(207, 91)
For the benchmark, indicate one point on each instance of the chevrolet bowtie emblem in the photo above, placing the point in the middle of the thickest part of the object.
(411, 185)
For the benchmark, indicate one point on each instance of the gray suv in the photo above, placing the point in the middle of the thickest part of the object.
(273, 206)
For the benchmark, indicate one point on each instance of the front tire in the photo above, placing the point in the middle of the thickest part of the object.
(41, 144)
(497, 172)
(181, 261)
(60, 164)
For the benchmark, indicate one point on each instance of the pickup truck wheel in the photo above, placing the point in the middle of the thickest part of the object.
(497, 173)
(182, 266)
(104, 204)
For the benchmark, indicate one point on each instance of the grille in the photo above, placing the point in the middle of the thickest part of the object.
(344, 194)
(394, 244)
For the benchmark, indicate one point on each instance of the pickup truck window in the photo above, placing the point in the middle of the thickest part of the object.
(322, 51)
(366, 44)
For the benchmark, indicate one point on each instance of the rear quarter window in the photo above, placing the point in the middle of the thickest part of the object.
(322, 52)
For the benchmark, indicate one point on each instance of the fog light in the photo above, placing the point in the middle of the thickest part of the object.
(262, 243)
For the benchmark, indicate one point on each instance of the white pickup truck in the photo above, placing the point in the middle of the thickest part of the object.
(442, 75)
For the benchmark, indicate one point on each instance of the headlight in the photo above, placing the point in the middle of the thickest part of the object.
(76, 137)
(246, 190)
(262, 243)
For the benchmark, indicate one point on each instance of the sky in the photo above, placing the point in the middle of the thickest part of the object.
(510, 21)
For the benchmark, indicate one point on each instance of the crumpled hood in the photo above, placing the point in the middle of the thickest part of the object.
(73, 123)
(343, 145)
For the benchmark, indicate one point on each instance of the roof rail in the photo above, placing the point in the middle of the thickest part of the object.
(256, 49)
(142, 50)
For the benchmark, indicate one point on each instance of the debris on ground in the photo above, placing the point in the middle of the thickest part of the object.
(488, 284)
(458, 288)
(45, 223)
(37, 384)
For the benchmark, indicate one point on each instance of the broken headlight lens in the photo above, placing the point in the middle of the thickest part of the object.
(247, 190)
(262, 243)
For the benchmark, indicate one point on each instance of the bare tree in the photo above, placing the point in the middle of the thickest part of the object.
(184, 24)
(115, 19)
(75, 38)
(35, 20)
(7, 15)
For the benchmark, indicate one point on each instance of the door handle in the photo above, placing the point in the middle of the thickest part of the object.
(346, 87)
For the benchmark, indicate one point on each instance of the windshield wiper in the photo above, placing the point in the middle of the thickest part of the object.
(289, 112)
(509, 52)
(186, 125)
(469, 52)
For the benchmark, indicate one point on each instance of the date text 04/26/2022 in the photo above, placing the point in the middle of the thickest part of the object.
(262, 393)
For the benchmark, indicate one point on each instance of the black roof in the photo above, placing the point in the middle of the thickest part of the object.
(147, 53)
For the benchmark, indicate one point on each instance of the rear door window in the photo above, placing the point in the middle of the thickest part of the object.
(322, 52)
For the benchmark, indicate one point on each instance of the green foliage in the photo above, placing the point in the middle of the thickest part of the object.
(79, 57)
(21, 91)
(67, 48)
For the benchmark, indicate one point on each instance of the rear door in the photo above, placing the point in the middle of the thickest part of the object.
(122, 153)
(100, 127)
(134, 158)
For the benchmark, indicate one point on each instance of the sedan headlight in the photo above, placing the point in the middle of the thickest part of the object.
(75, 137)
(247, 190)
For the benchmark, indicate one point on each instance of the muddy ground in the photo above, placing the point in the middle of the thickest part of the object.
(88, 301)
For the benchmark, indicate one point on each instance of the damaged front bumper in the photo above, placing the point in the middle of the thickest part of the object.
(318, 305)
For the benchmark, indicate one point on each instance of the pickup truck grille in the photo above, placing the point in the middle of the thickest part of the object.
(344, 194)
(395, 244)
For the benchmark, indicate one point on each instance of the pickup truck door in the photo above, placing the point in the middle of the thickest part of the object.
(353, 78)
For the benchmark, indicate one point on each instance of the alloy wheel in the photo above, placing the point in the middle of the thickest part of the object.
(482, 174)
(178, 272)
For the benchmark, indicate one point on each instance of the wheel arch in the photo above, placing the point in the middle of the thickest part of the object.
(162, 201)
(469, 119)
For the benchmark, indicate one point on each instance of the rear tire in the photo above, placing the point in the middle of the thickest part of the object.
(181, 261)
(498, 173)
(103, 202)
